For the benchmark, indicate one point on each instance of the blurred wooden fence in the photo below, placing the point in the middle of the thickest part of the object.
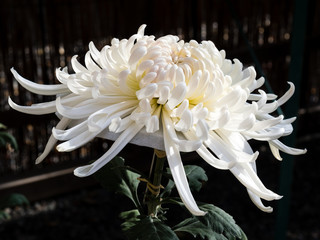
(37, 36)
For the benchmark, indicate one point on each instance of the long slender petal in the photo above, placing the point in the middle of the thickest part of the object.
(286, 149)
(116, 147)
(52, 140)
(36, 109)
(78, 112)
(178, 172)
(100, 123)
(39, 88)
(72, 132)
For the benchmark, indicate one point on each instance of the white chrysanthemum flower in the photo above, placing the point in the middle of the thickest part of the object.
(187, 93)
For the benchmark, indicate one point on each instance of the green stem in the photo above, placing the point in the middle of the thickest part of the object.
(153, 196)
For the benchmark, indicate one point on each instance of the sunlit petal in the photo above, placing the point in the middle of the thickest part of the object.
(118, 145)
(52, 140)
(178, 173)
(39, 88)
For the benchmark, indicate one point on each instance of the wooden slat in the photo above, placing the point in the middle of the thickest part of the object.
(46, 185)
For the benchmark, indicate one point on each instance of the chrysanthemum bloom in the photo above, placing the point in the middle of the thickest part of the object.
(187, 91)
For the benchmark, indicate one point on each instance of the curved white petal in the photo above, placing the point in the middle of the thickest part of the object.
(183, 145)
(62, 75)
(263, 135)
(147, 91)
(209, 157)
(219, 147)
(253, 183)
(218, 119)
(287, 95)
(36, 109)
(185, 122)
(96, 123)
(275, 151)
(52, 141)
(63, 135)
(90, 64)
(77, 67)
(286, 149)
(177, 95)
(178, 173)
(78, 112)
(123, 85)
(39, 88)
(246, 123)
(137, 54)
(257, 201)
(116, 147)
(263, 124)
(76, 142)
(94, 53)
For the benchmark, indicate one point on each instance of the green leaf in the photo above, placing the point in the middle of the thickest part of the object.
(173, 200)
(130, 218)
(195, 174)
(115, 177)
(13, 200)
(149, 228)
(131, 214)
(168, 189)
(218, 236)
(4, 215)
(2, 126)
(8, 138)
(194, 227)
(220, 222)
(243, 236)
(215, 225)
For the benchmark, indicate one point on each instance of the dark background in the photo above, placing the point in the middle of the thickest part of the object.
(38, 36)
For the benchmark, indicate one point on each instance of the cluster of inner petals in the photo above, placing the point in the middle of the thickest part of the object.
(190, 92)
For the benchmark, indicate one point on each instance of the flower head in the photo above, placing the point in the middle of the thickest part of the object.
(187, 93)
